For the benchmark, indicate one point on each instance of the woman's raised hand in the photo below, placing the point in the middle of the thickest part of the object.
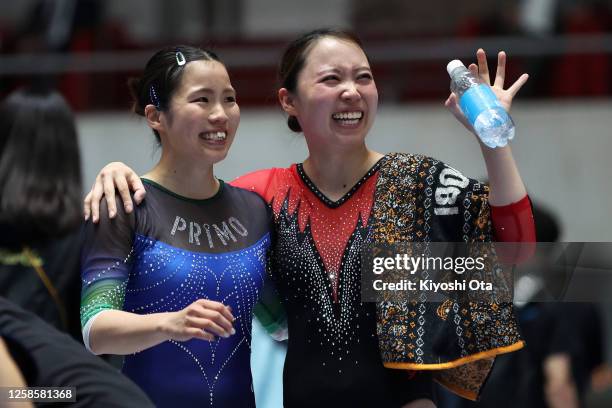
(505, 96)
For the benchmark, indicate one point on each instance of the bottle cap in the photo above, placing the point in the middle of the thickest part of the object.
(453, 65)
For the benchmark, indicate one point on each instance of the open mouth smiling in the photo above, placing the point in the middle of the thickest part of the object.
(348, 118)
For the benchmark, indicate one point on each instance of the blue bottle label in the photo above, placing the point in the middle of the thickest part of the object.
(477, 99)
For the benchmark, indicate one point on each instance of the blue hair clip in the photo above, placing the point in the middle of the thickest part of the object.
(180, 58)
(154, 98)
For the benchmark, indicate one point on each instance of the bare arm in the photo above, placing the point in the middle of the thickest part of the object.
(10, 374)
(504, 179)
(559, 388)
(119, 332)
(420, 403)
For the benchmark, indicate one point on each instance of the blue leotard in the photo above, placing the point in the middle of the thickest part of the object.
(169, 253)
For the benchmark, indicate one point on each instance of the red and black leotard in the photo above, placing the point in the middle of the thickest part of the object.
(333, 356)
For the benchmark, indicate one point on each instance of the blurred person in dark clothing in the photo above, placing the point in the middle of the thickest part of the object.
(34, 354)
(40, 194)
(564, 341)
(40, 198)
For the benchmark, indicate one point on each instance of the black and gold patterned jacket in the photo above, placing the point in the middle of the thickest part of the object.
(419, 199)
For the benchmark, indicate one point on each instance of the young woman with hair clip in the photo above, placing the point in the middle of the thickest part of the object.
(344, 196)
(172, 285)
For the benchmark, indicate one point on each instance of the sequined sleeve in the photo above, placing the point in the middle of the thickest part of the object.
(515, 223)
(259, 181)
(270, 312)
(105, 263)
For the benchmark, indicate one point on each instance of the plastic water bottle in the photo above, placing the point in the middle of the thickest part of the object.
(480, 106)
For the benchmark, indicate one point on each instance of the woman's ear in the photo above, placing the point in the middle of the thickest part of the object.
(153, 117)
(287, 101)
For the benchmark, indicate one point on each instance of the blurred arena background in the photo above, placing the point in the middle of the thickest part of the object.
(89, 48)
